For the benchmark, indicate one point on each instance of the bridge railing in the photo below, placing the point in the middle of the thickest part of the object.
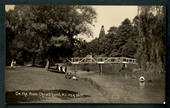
(102, 60)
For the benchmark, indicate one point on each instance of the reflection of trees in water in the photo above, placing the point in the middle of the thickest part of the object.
(142, 84)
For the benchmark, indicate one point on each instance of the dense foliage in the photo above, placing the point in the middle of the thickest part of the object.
(45, 31)
(119, 41)
(152, 33)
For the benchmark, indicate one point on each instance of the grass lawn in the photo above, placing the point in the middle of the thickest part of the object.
(33, 78)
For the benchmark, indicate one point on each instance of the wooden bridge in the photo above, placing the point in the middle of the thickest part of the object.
(101, 60)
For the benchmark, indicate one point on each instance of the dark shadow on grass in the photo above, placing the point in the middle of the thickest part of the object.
(21, 96)
(55, 70)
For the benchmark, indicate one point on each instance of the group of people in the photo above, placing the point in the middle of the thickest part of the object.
(61, 68)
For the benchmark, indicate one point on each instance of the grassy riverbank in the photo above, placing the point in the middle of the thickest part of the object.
(37, 79)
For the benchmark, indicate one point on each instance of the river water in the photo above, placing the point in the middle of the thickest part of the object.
(124, 87)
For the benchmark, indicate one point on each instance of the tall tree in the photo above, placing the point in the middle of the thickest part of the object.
(123, 34)
(152, 31)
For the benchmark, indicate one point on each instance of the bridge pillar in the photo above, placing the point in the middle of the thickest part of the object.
(125, 65)
(100, 69)
(75, 69)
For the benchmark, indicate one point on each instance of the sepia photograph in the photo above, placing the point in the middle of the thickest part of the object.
(113, 54)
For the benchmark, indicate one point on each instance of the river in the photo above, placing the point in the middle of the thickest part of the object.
(124, 87)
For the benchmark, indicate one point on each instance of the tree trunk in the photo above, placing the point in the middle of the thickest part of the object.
(47, 64)
(33, 59)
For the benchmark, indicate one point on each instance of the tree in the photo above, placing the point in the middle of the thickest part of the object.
(129, 49)
(152, 31)
(121, 43)
(10, 50)
(112, 30)
(94, 47)
(43, 27)
(81, 49)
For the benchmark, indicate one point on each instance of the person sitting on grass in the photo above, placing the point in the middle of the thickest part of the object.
(13, 63)
(68, 75)
(59, 68)
(74, 77)
(63, 69)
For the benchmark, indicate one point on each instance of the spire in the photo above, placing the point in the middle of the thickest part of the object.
(102, 32)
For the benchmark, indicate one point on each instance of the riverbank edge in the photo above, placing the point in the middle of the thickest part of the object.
(98, 87)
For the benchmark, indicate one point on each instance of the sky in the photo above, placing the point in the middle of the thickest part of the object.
(106, 15)
(8, 7)
(112, 16)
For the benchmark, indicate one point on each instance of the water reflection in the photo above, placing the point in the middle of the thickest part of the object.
(142, 85)
(126, 88)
